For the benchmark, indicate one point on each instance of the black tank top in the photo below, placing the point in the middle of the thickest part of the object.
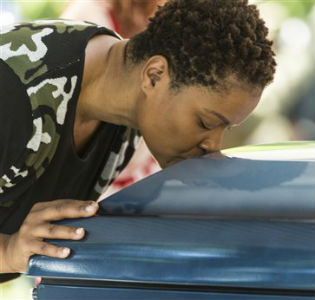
(41, 70)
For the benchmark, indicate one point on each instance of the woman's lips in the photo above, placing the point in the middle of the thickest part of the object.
(176, 159)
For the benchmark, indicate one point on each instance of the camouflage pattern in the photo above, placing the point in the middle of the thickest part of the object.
(116, 162)
(24, 50)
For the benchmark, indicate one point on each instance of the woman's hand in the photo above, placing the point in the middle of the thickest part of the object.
(20, 246)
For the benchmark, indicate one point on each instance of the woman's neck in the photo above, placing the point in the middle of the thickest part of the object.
(113, 93)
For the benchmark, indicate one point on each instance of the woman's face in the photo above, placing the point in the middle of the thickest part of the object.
(192, 121)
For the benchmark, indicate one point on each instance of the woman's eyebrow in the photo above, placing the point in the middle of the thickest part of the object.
(221, 117)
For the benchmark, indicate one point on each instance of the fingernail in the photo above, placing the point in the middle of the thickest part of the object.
(90, 207)
(79, 231)
(65, 251)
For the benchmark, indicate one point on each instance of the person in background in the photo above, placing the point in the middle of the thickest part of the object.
(127, 18)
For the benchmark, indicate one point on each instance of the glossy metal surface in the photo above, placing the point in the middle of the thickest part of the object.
(229, 187)
(253, 254)
(217, 223)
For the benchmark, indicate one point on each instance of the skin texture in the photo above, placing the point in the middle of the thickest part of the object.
(192, 121)
(175, 126)
(139, 96)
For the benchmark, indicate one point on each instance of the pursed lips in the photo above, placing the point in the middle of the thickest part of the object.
(200, 153)
(176, 159)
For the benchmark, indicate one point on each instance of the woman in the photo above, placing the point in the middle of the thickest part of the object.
(74, 97)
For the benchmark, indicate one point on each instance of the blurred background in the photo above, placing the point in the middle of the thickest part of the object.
(287, 109)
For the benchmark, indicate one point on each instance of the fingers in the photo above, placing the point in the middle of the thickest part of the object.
(37, 226)
(53, 231)
(43, 248)
(63, 209)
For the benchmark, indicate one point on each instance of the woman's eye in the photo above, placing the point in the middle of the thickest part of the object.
(202, 125)
(205, 126)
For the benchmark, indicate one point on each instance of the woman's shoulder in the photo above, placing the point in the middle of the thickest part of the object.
(32, 49)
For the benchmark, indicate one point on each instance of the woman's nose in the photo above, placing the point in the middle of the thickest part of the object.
(211, 144)
(209, 147)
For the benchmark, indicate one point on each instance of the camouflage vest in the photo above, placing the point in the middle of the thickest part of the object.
(24, 50)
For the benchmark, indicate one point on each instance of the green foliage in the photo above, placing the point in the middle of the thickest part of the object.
(296, 8)
(33, 10)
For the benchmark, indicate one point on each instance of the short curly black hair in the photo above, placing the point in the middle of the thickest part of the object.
(205, 41)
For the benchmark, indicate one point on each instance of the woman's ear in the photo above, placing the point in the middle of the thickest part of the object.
(154, 71)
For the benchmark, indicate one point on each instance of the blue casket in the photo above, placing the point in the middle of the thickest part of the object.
(205, 228)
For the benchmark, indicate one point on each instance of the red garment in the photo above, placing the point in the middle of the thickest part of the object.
(115, 23)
